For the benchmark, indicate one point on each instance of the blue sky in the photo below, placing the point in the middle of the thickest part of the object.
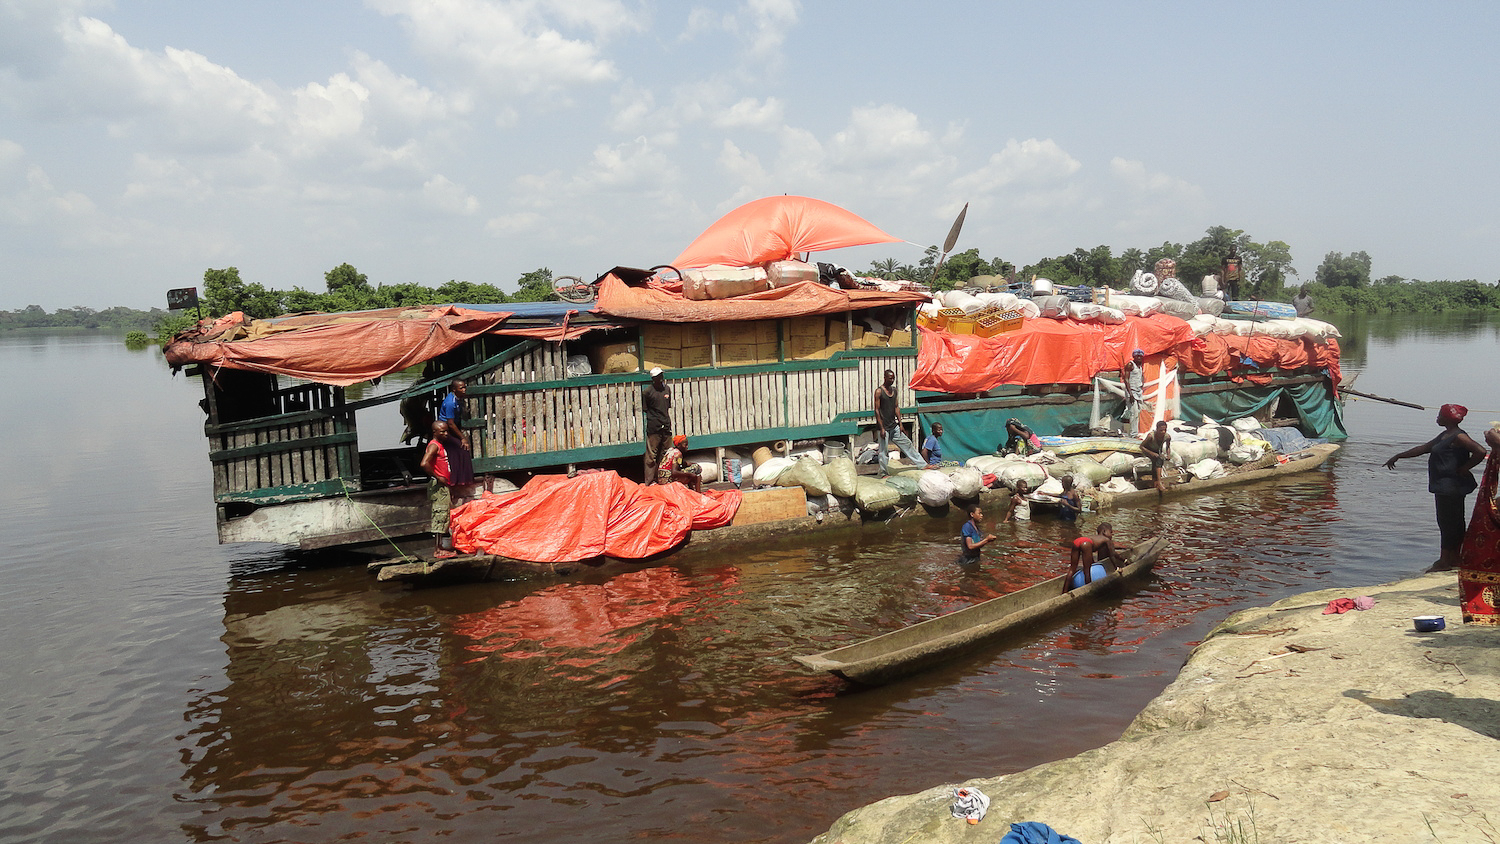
(428, 140)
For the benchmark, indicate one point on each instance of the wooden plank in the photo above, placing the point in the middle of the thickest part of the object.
(771, 505)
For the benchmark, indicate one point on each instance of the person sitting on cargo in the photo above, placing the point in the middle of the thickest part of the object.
(1019, 439)
(1156, 446)
(1089, 553)
(451, 412)
(673, 468)
(1070, 503)
(932, 449)
(447, 464)
(972, 538)
(888, 426)
(657, 401)
(1020, 505)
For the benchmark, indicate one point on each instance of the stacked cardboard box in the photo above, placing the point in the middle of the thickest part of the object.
(697, 342)
(661, 345)
(900, 338)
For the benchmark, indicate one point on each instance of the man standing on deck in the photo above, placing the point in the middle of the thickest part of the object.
(1134, 377)
(1302, 302)
(450, 413)
(448, 466)
(888, 426)
(657, 400)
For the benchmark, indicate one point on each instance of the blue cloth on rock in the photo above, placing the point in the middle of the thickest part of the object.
(1032, 832)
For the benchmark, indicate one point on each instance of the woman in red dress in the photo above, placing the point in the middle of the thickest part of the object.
(1479, 561)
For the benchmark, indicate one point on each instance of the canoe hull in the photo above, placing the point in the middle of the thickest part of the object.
(912, 649)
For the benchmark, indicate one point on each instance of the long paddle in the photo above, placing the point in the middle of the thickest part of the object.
(948, 244)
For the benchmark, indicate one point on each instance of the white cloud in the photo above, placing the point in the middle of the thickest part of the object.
(750, 113)
(442, 194)
(760, 25)
(1135, 176)
(1032, 162)
(514, 46)
(880, 134)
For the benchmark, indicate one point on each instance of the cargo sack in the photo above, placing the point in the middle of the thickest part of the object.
(1211, 305)
(1019, 470)
(967, 483)
(905, 485)
(1136, 305)
(841, 476)
(1184, 454)
(767, 473)
(1183, 310)
(807, 473)
(874, 496)
(934, 488)
(986, 463)
(1117, 462)
(1052, 307)
(1172, 288)
(1052, 487)
(1088, 467)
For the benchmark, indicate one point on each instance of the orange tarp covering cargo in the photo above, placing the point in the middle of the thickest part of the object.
(1214, 353)
(776, 228)
(557, 519)
(337, 349)
(663, 302)
(1043, 351)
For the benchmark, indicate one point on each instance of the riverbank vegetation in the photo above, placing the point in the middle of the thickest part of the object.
(1341, 283)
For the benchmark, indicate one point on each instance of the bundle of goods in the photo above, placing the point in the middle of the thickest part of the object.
(1001, 301)
(1183, 309)
(717, 281)
(964, 301)
(906, 485)
(842, 477)
(807, 473)
(1144, 284)
(967, 482)
(1028, 309)
(708, 466)
(1084, 311)
(987, 464)
(1186, 451)
(1205, 469)
(1210, 305)
(1082, 465)
(1020, 470)
(874, 496)
(1319, 330)
(787, 273)
(1135, 305)
(934, 488)
(1052, 307)
(767, 473)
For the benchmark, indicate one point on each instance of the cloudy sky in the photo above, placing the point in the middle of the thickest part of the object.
(426, 140)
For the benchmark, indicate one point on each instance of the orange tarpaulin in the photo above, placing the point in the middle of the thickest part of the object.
(1042, 351)
(661, 304)
(557, 519)
(776, 228)
(1214, 353)
(337, 349)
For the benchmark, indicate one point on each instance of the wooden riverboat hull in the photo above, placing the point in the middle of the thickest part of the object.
(912, 649)
(1316, 456)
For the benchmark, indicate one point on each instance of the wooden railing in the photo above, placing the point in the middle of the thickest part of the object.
(291, 457)
(526, 424)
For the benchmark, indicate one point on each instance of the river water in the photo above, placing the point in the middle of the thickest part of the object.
(156, 686)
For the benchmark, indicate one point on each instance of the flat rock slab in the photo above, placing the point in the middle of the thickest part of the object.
(1285, 725)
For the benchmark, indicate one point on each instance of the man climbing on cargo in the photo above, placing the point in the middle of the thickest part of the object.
(1156, 446)
(973, 539)
(448, 465)
(451, 412)
(888, 426)
(1088, 555)
(657, 401)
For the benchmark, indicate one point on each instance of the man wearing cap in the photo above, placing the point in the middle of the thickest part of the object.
(657, 400)
(1133, 376)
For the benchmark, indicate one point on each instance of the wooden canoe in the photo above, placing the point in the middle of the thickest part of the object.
(1313, 457)
(925, 644)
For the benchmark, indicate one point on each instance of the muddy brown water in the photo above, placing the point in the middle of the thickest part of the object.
(157, 686)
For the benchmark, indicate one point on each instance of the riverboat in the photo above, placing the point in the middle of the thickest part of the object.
(925, 644)
(556, 386)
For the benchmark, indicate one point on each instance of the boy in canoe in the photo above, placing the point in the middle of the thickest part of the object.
(1089, 554)
(973, 540)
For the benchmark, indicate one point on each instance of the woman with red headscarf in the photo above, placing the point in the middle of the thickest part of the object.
(1479, 569)
(1451, 457)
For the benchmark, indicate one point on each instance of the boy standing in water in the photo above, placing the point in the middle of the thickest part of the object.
(972, 539)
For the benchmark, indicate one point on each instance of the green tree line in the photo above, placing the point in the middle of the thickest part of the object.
(1341, 284)
(115, 319)
(345, 289)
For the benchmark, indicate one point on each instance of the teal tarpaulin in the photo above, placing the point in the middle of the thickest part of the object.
(968, 433)
(1321, 416)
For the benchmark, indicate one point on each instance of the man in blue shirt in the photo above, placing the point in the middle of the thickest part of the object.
(972, 540)
(932, 449)
(450, 412)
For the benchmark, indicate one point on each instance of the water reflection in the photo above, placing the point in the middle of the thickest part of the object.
(648, 700)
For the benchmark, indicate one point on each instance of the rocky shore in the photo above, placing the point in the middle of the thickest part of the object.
(1285, 725)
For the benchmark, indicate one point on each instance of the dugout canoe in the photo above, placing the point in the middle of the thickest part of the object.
(1302, 461)
(928, 643)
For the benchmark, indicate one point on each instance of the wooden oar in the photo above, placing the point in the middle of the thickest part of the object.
(1380, 398)
(948, 244)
